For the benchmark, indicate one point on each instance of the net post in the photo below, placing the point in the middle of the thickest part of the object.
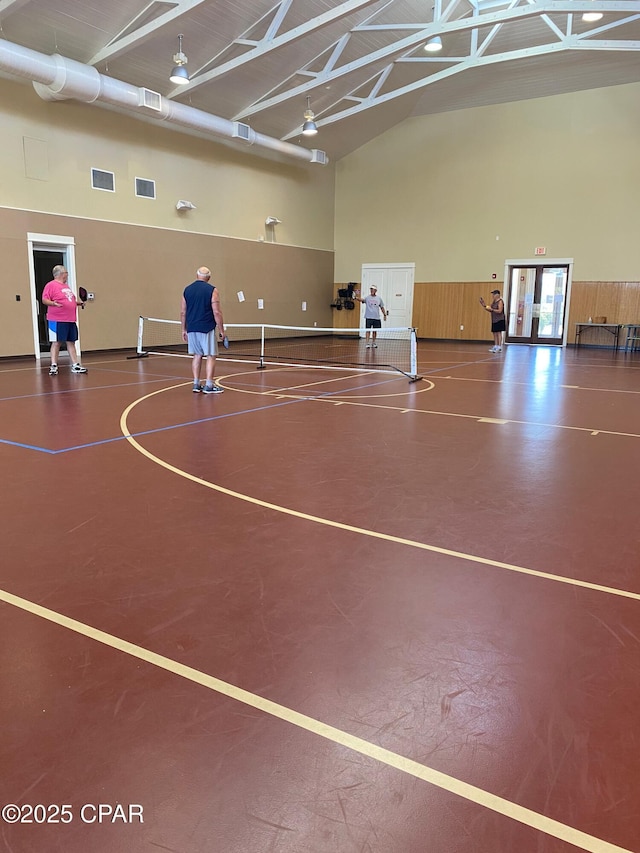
(414, 356)
(140, 353)
(262, 334)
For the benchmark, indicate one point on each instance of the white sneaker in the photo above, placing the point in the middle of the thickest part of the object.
(493, 349)
(368, 346)
(498, 349)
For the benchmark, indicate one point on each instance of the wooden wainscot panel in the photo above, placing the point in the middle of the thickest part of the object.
(345, 318)
(618, 301)
(440, 308)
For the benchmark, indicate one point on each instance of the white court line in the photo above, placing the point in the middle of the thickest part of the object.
(385, 756)
(350, 528)
(479, 418)
(529, 384)
(425, 385)
(428, 385)
(312, 384)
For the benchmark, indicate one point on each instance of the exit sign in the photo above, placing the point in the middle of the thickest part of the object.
(541, 250)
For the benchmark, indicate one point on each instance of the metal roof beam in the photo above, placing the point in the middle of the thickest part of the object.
(535, 8)
(400, 47)
(278, 18)
(11, 5)
(267, 45)
(122, 43)
(572, 43)
(336, 50)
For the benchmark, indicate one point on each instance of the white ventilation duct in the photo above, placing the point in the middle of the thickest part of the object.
(58, 78)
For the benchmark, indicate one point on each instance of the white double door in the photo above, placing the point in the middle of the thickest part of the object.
(395, 287)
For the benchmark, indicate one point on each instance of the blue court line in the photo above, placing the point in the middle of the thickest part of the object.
(180, 425)
(27, 446)
(150, 431)
(80, 390)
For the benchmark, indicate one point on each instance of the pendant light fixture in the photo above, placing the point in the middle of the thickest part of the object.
(433, 45)
(180, 75)
(592, 17)
(309, 128)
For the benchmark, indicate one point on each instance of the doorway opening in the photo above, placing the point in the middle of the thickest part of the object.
(538, 302)
(45, 252)
(394, 283)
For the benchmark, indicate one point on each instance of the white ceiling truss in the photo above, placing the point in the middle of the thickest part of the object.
(360, 62)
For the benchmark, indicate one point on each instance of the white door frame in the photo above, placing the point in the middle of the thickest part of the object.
(542, 261)
(409, 266)
(49, 242)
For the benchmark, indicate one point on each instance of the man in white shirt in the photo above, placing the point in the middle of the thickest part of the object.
(373, 307)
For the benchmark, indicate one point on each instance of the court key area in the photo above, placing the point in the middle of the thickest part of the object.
(336, 608)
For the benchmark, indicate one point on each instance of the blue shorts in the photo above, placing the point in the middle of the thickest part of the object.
(372, 324)
(60, 332)
(202, 343)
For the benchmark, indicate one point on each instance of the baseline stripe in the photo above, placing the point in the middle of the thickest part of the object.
(385, 756)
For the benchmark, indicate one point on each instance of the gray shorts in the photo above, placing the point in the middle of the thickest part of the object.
(202, 343)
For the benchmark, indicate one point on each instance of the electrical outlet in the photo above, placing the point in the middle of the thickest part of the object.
(462, 328)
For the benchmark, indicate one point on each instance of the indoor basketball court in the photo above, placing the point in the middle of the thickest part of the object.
(327, 610)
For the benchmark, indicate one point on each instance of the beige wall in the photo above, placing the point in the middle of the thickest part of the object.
(136, 254)
(233, 191)
(137, 271)
(560, 172)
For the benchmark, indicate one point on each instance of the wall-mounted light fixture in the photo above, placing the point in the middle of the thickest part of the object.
(180, 75)
(309, 128)
(183, 204)
(272, 220)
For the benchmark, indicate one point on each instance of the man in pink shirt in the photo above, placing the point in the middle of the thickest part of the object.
(62, 315)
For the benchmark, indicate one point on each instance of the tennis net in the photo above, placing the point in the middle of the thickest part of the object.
(395, 350)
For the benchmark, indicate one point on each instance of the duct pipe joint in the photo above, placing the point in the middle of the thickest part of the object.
(72, 80)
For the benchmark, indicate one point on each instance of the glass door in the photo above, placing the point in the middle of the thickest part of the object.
(537, 304)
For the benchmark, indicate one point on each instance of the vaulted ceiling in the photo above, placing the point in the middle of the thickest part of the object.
(360, 63)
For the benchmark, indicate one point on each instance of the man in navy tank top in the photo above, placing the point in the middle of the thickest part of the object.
(201, 318)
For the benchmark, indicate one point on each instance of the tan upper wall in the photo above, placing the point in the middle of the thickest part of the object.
(137, 254)
(234, 190)
(137, 271)
(459, 193)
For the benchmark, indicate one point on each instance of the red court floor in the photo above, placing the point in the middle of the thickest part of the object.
(325, 611)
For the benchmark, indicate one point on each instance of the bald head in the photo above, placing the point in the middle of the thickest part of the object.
(204, 274)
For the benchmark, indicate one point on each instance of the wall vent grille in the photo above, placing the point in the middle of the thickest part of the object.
(318, 156)
(241, 131)
(145, 188)
(150, 99)
(102, 180)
